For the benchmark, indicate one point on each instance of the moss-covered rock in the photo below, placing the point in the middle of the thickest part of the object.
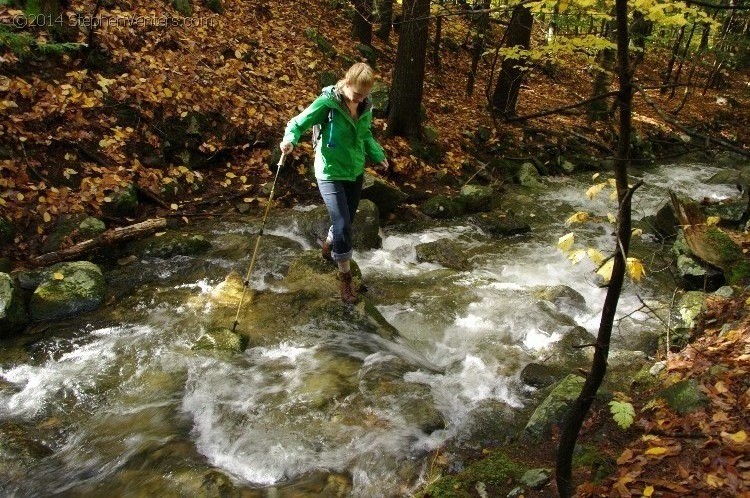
(684, 396)
(561, 296)
(171, 244)
(386, 197)
(91, 227)
(698, 276)
(13, 317)
(442, 207)
(443, 252)
(498, 224)
(70, 289)
(64, 228)
(124, 202)
(729, 256)
(540, 375)
(222, 339)
(496, 469)
(477, 198)
(366, 226)
(528, 176)
(553, 410)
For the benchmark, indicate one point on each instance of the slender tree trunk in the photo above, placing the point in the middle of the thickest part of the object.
(362, 21)
(672, 59)
(478, 46)
(698, 55)
(595, 376)
(682, 60)
(598, 110)
(436, 44)
(408, 74)
(386, 18)
(511, 74)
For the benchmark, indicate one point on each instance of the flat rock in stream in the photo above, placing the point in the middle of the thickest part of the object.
(444, 252)
(13, 316)
(66, 290)
(171, 244)
(498, 224)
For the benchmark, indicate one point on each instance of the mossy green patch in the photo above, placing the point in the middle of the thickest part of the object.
(496, 470)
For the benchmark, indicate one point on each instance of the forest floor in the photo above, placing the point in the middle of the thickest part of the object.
(73, 135)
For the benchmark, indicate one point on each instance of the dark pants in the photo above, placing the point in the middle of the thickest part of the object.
(341, 198)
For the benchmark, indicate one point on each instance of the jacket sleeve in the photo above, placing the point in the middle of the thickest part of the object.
(299, 124)
(373, 150)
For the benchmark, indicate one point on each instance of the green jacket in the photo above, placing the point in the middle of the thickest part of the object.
(344, 144)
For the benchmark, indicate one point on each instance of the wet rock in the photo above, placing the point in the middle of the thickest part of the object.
(690, 305)
(444, 252)
(221, 339)
(540, 375)
(19, 452)
(501, 225)
(386, 197)
(171, 244)
(366, 226)
(729, 212)
(477, 198)
(490, 424)
(443, 207)
(684, 396)
(70, 289)
(698, 276)
(665, 221)
(562, 296)
(725, 292)
(553, 410)
(536, 478)
(64, 228)
(320, 483)
(528, 176)
(13, 317)
(680, 247)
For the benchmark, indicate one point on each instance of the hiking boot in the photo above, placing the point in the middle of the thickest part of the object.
(326, 251)
(348, 294)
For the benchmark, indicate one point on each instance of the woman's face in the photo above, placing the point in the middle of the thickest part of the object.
(355, 93)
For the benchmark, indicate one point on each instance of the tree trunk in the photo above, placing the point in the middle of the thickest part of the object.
(512, 70)
(639, 30)
(682, 60)
(108, 238)
(436, 44)
(478, 46)
(599, 110)
(672, 59)
(55, 21)
(362, 21)
(595, 376)
(408, 74)
(386, 18)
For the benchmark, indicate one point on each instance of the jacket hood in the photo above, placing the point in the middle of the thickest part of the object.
(337, 97)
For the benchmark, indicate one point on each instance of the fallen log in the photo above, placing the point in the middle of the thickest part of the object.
(710, 243)
(108, 238)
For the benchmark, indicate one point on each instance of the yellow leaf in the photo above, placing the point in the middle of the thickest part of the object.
(565, 242)
(174, 206)
(108, 199)
(58, 276)
(238, 54)
(19, 196)
(167, 92)
(595, 176)
(656, 450)
(159, 234)
(47, 217)
(714, 481)
(612, 182)
(635, 269)
(576, 256)
(595, 189)
(606, 270)
(183, 114)
(595, 256)
(637, 233)
(579, 217)
(230, 175)
(712, 220)
(611, 218)
(737, 437)
(648, 491)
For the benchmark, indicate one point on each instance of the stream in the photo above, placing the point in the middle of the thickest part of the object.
(126, 406)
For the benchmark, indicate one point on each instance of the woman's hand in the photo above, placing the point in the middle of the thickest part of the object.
(383, 165)
(286, 147)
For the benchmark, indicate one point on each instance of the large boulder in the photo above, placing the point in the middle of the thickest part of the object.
(444, 252)
(386, 197)
(13, 317)
(528, 176)
(442, 207)
(562, 296)
(477, 198)
(498, 224)
(66, 290)
(123, 202)
(697, 276)
(553, 410)
(366, 226)
(665, 221)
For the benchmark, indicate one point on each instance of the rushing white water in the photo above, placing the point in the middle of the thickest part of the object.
(325, 396)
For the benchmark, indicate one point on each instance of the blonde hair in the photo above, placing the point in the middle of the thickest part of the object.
(360, 75)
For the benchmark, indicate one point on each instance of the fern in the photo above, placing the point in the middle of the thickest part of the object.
(623, 413)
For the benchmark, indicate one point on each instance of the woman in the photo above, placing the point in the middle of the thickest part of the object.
(344, 112)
